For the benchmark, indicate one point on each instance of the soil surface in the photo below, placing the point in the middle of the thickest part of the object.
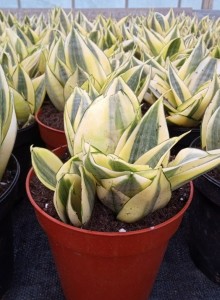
(50, 116)
(103, 219)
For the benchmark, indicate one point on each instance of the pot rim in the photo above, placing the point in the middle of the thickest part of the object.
(14, 181)
(44, 125)
(99, 233)
(20, 130)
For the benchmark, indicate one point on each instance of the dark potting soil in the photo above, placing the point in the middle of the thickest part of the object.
(50, 116)
(7, 178)
(103, 219)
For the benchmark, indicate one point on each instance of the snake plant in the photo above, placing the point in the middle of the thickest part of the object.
(188, 91)
(28, 94)
(8, 123)
(133, 178)
(210, 129)
(73, 63)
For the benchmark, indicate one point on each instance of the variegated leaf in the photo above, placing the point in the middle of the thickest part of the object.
(8, 123)
(79, 53)
(68, 187)
(213, 106)
(151, 130)
(115, 114)
(22, 107)
(46, 165)
(189, 164)
(179, 88)
(192, 62)
(159, 155)
(23, 84)
(203, 73)
(40, 91)
(213, 131)
(54, 89)
(155, 196)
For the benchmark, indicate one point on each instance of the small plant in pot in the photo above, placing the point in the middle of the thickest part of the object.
(9, 174)
(26, 79)
(119, 162)
(71, 62)
(204, 239)
(187, 90)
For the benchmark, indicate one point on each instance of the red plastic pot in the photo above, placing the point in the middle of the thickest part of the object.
(53, 138)
(97, 265)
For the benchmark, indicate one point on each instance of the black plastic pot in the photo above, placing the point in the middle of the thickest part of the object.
(25, 138)
(204, 238)
(7, 200)
(186, 140)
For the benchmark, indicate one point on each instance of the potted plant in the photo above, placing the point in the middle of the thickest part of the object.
(9, 174)
(187, 91)
(129, 169)
(25, 75)
(204, 238)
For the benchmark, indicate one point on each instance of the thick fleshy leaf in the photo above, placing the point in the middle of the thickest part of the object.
(154, 43)
(54, 89)
(211, 90)
(71, 166)
(46, 165)
(22, 107)
(17, 44)
(75, 107)
(179, 119)
(74, 197)
(40, 91)
(23, 84)
(173, 47)
(212, 107)
(129, 185)
(159, 23)
(31, 62)
(179, 88)
(115, 115)
(88, 186)
(155, 196)
(6, 107)
(118, 84)
(159, 155)
(67, 187)
(213, 131)
(8, 123)
(189, 164)
(151, 130)
(98, 165)
(137, 80)
(192, 62)
(203, 73)
(112, 198)
(78, 52)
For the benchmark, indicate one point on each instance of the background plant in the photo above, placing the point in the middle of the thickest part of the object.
(8, 123)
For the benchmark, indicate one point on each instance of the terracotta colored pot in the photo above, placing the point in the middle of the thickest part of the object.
(53, 138)
(7, 201)
(97, 265)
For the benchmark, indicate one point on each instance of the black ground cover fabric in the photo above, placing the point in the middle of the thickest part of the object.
(35, 276)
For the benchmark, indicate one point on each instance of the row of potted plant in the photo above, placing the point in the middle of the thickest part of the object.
(99, 74)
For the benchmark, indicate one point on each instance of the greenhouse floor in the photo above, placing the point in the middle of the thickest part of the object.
(35, 277)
